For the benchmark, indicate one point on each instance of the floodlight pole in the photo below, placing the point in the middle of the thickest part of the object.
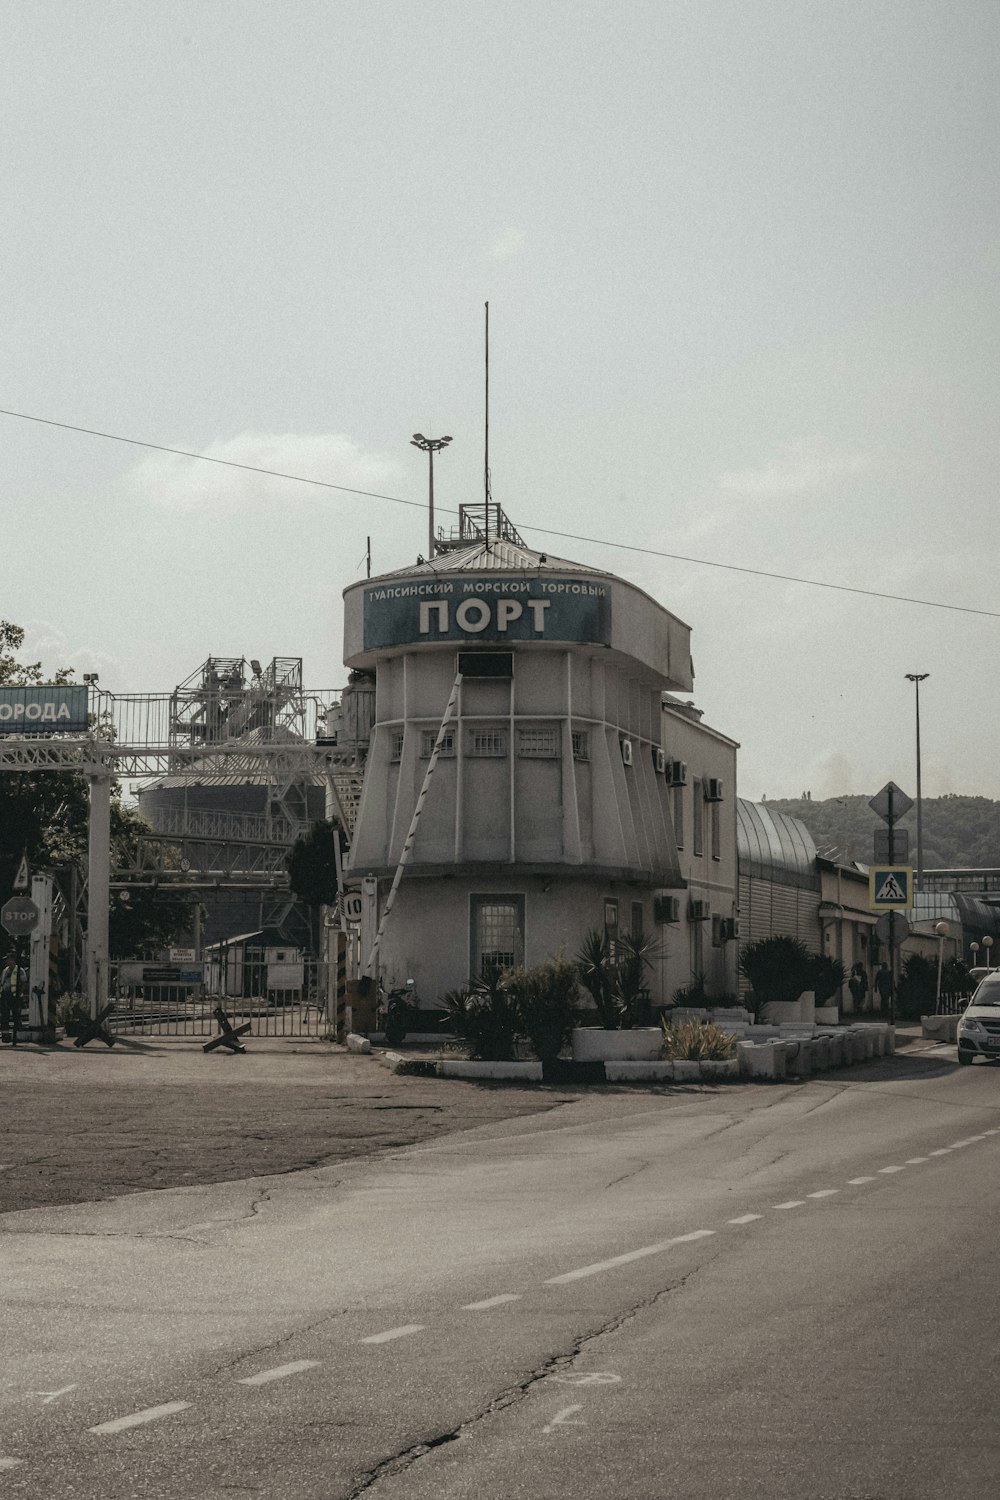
(430, 446)
(917, 678)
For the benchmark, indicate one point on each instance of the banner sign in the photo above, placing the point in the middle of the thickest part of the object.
(43, 709)
(487, 607)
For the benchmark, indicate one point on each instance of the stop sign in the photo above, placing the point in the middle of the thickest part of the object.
(19, 915)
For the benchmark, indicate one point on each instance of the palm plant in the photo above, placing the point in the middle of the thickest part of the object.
(597, 976)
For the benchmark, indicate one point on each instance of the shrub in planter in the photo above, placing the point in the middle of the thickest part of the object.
(827, 977)
(778, 968)
(547, 999)
(485, 1017)
(634, 956)
(691, 996)
(698, 1041)
(597, 976)
(917, 992)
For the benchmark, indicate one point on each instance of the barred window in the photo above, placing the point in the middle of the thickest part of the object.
(487, 742)
(428, 738)
(678, 811)
(396, 745)
(538, 744)
(716, 830)
(697, 819)
(581, 744)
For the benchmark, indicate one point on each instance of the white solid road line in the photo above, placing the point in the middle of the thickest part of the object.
(139, 1418)
(279, 1372)
(823, 1193)
(745, 1219)
(491, 1302)
(623, 1260)
(394, 1333)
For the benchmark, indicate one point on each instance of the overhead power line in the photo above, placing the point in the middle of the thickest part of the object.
(570, 536)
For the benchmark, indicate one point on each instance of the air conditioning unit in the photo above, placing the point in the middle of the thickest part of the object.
(676, 773)
(666, 909)
(698, 911)
(659, 761)
(730, 929)
(627, 752)
(713, 789)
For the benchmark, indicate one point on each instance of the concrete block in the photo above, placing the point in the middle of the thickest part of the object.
(461, 1068)
(715, 1069)
(800, 1057)
(686, 1072)
(357, 1043)
(639, 1072)
(761, 1060)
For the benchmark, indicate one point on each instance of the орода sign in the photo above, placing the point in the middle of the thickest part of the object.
(489, 607)
(43, 708)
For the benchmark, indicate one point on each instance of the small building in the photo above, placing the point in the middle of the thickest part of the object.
(549, 810)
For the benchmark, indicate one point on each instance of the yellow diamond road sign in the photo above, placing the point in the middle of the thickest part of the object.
(890, 887)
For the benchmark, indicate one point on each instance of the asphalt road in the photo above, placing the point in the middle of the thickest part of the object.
(748, 1291)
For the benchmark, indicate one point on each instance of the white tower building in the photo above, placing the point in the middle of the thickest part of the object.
(548, 812)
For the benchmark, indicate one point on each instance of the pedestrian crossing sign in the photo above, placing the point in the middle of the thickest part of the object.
(890, 887)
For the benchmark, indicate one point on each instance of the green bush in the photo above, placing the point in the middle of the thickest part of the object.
(485, 1017)
(778, 968)
(916, 993)
(697, 1041)
(597, 976)
(827, 976)
(547, 1000)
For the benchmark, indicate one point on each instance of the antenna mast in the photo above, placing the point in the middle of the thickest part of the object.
(486, 459)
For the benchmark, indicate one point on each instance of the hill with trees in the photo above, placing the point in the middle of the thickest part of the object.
(957, 831)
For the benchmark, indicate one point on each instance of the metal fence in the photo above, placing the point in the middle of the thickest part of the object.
(288, 999)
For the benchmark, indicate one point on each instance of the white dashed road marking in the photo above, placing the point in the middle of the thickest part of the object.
(139, 1418)
(280, 1372)
(857, 1181)
(10, 1463)
(885, 1171)
(912, 1161)
(491, 1302)
(623, 1260)
(394, 1333)
(792, 1203)
(50, 1396)
(823, 1193)
(941, 1151)
(745, 1219)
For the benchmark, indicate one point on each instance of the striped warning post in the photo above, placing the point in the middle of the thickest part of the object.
(340, 986)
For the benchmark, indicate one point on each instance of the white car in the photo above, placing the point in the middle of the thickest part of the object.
(979, 1025)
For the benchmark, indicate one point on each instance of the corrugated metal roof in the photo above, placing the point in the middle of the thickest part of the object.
(774, 846)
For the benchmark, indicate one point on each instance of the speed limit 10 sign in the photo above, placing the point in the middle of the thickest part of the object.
(352, 905)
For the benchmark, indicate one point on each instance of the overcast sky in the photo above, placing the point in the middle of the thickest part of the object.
(742, 265)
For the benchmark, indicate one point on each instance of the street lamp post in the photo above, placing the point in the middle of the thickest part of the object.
(988, 945)
(917, 678)
(941, 928)
(430, 446)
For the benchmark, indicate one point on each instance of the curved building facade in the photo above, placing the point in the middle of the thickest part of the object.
(548, 811)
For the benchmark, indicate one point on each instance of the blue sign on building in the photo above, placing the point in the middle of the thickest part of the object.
(43, 708)
(488, 607)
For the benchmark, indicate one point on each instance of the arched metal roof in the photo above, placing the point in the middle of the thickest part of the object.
(774, 846)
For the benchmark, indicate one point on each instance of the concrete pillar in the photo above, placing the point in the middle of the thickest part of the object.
(98, 894)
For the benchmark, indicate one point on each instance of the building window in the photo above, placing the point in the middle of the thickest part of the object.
(697, 951)
(497, 934)
(487, 742)
(428, 738)
(581, 744)
(486, 663)
(396, 745)
(637, 921)
(677, 809)
(716, 829)
(716, 931)
(697, 818)
(538, 744)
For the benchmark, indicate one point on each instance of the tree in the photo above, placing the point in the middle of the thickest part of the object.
(312, 868)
